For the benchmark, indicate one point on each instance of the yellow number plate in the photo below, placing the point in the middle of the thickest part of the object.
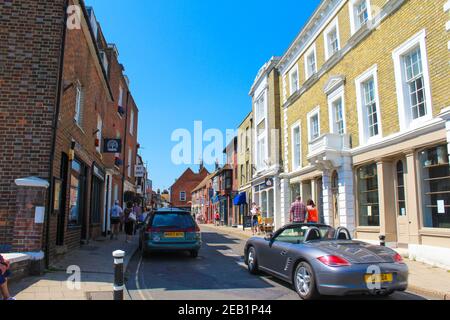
(379, 278)
(174, 235)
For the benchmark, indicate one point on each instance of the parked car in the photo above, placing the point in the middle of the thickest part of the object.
(320, 260)
(170, 229)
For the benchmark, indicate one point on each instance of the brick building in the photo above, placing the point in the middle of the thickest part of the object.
(181, 190)
(63, 93)
(364, 118)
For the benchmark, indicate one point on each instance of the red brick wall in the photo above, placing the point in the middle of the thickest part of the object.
(187, 182)
(79, 65)
(30, 46)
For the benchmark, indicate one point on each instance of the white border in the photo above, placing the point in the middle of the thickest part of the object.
(333, 97)
(311, 114)
(293, 127)
(293, 70)
(310, 50)
(333, 25)
(404, 118)
(362, 123)
(351, 6)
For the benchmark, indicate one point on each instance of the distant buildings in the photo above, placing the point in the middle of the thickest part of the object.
(181, 190)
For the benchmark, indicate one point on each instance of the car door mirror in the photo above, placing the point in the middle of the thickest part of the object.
(269, 237)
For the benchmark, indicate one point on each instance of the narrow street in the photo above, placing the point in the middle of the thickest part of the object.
(219, 273)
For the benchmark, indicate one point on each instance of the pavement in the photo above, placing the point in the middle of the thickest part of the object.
(424, 279)
(218, 273)
(96, 266)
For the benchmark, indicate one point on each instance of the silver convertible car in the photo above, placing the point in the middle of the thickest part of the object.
(320, 260)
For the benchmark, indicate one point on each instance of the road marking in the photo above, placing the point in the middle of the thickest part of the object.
(138, 286)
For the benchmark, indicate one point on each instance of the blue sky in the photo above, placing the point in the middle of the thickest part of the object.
(194, 60)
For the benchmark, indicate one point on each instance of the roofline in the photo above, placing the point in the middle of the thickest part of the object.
(246, 118)
(264, 71)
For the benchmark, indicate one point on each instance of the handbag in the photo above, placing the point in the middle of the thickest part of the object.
(132, 216)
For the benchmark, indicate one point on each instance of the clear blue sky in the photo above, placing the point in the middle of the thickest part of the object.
(191, 60)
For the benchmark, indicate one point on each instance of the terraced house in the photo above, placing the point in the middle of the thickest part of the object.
(365, 118)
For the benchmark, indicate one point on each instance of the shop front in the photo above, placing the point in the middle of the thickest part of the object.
(264, 195)
(403, 193)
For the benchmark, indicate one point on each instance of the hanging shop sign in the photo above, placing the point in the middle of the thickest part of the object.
(112, 146)
(139, 171)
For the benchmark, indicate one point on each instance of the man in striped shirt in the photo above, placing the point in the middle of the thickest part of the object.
(298, 211)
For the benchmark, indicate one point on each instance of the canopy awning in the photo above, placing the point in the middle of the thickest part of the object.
(241, 198)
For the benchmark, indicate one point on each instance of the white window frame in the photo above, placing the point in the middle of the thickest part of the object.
(130, 161)
(354, 24)
(362, 115)
(260, 113)
(99, 132)
(120, 100)
(132, 122)
(307, 54)
(78, 103)
(260, 158)
(405, 119)
(333, 26)
(338, 94)
(313, 113)
(183, 199)
(291, 73)
(295, 126)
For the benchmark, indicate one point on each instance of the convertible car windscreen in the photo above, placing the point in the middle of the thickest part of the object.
(297, 235)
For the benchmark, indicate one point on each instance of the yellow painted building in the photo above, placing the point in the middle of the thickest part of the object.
(365, 121)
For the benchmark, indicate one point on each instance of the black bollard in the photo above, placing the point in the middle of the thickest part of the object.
(118, 274)
(383, 240)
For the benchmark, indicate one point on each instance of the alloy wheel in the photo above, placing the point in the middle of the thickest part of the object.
(303, 281)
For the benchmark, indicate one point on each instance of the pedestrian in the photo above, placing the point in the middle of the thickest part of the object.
(137, 211)
(116, 216)
(129, 219)
(254, 212)
(260, 222)
(4, 275)
(298, 211)
(217, 218)
(312, 214)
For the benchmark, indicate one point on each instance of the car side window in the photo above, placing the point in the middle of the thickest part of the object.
(291, 235)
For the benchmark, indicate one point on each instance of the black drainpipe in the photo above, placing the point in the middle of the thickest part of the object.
(53, 147)
(125, 148)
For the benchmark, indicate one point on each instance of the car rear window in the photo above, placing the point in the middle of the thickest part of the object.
(172, 220)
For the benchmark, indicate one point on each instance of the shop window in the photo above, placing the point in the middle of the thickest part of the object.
(264, 203)
(435, 187)
(401, 195)
(75, 194)
(368, 199)
(270, 206)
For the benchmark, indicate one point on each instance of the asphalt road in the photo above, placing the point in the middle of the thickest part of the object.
(219, 273)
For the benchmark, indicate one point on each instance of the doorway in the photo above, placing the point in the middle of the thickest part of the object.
(334, 216)
(400, 196)
(319, 197)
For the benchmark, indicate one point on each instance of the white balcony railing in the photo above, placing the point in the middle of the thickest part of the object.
(330, 142)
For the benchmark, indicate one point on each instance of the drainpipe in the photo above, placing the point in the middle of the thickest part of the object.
(125, 147)
(53, 146)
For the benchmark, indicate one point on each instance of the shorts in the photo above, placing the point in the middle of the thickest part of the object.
(255, 223)
(4, 276)
(115, 221)
(129, 228)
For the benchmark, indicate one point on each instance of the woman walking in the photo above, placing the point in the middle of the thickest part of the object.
(129, 218)
(312, 214)
(4, 275)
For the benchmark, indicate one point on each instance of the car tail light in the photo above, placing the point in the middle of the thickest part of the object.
(398, 258)
(334, 261)
(151, 229)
